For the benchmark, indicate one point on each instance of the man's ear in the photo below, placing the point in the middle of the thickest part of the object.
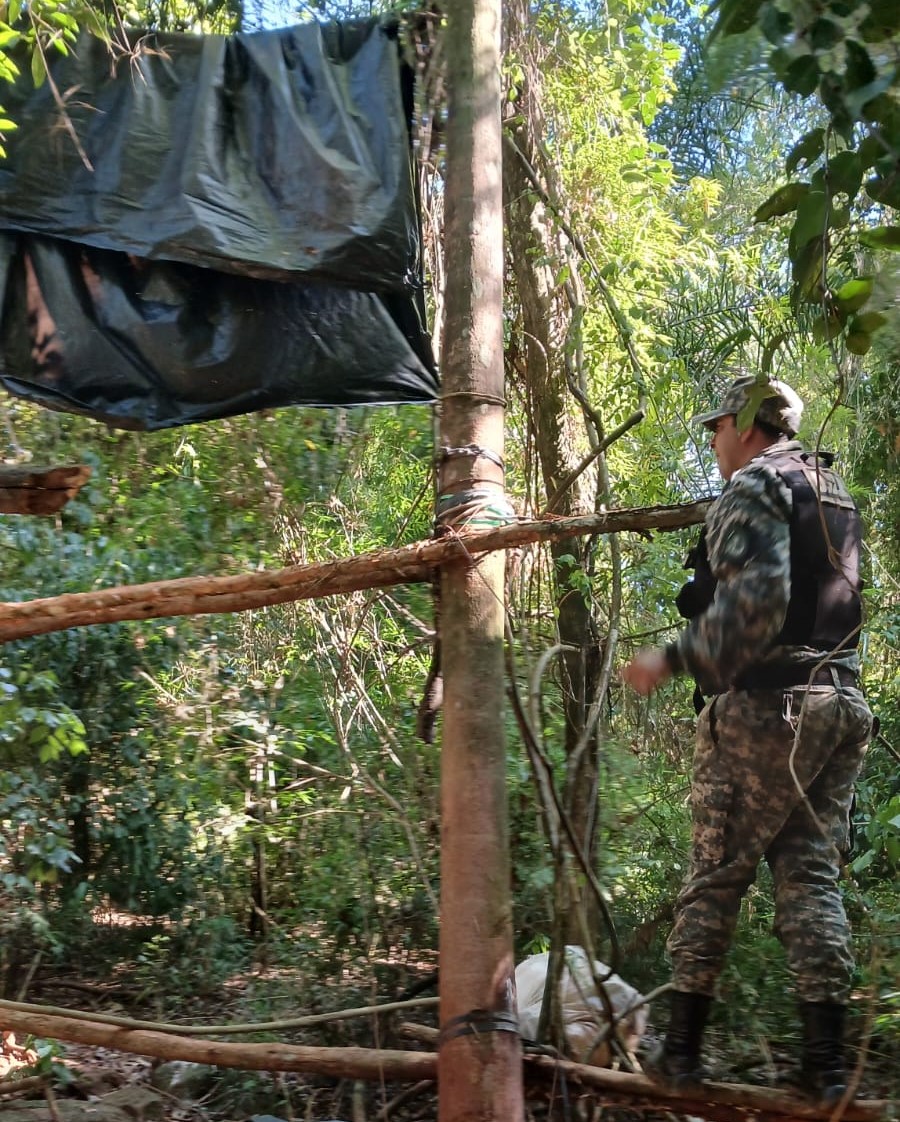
(746, 435)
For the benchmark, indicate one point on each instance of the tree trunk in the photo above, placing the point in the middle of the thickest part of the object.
(550, 315)
(480, 1057)
(537, 253)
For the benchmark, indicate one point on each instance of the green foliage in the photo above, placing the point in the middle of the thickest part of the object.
(881, 833)
(35, 728)
(644, 825)
(192, 959)
(197, 726)
(845, 54)
(50, 1054)
(219, 17)
(34, 842)
(32, 33)
(882, 237)
(129, 821)
(31, 722)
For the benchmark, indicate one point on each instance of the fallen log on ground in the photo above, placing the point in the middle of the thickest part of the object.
(719, 1101)
(372, 1064)
(39, 490)
(9, 1085)
(409, 564)
(377, 1064)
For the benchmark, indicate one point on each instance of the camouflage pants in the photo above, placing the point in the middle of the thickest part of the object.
(747, 805)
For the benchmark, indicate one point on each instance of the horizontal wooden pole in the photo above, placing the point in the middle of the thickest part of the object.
(409, 564)
(372, 1064)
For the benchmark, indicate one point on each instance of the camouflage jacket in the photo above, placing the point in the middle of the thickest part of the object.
(749, 545)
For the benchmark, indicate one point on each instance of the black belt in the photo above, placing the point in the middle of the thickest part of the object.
(790, 676)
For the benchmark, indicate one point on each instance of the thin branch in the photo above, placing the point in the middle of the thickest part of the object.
(534, 689)
(629, 423)
(54, 90)
(212, 1030)
(404, 1096)
(541, 769)
(544, 780)
(10, 1088)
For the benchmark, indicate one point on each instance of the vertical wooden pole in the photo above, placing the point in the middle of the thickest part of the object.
(480, 1062)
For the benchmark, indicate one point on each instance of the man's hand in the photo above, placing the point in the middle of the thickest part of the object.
(648, 669)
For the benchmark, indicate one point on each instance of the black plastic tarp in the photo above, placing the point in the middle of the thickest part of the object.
(235, 229)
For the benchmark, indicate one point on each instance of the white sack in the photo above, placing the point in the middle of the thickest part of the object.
(583, 1009)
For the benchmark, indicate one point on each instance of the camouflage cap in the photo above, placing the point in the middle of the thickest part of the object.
(782, 409)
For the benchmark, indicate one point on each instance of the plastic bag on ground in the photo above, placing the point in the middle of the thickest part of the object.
(584, 1012)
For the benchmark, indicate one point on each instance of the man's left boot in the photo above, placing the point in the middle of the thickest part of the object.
(676, 1062)
(822, 1070)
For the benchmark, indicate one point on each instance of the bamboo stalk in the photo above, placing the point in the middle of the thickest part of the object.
(410, 564)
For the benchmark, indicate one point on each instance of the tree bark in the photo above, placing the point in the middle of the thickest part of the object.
(480, 1055)
(411, 564)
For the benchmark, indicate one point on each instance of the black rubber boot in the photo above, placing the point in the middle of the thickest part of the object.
(676, 1062)
(822, 1071)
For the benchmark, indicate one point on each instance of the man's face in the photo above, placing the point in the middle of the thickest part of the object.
(730, 451)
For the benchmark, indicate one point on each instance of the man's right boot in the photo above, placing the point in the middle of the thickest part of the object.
(823, 1072)
(676, 1062)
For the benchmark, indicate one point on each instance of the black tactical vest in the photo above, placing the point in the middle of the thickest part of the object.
(825, 607)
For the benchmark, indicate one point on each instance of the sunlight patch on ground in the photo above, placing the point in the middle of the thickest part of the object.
(105, 915)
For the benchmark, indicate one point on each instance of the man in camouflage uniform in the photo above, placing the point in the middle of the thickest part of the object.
(782, 739)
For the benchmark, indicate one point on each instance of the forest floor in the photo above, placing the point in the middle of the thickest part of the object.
(93, 1083)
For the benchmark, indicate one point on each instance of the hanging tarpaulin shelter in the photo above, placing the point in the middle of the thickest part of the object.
(235, 228)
